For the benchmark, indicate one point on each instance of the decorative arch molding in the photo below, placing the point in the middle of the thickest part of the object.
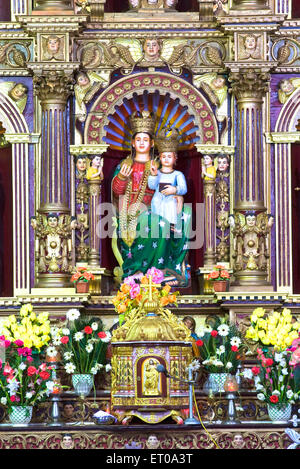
(282, 137)
(17, 133)
(188, 95)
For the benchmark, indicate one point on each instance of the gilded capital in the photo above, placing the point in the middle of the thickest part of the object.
(251, 84)
(54, 87)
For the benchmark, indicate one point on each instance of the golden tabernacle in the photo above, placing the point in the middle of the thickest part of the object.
(150, 336)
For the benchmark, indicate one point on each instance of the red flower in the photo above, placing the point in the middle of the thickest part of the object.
(64, 339)
(88, 330)
(7, 370)
(199, 343)
(12, 398)
(274, 399)
(214, 333)
(44, 375)
(102, 335)
(269, 362)
(31, 371)
(255, 370)
(19, 343)
(234, 348)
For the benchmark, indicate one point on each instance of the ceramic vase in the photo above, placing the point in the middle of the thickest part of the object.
(20, 415)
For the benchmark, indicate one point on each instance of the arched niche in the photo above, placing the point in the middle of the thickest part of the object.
(162, 83)
(285, 135)
(17, 133)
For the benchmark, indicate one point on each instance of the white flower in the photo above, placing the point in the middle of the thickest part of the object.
(54, 331)
(94, 370)
(73, 314)
(89, 348)
(94, 326)
(3, 400)
(223, 330)
(56, 341)
(70, 368)
(278, 357)
(259, 387)
(66, 331)
(260, 396)
(51, 352)
(247, 373)
(78, 336)
(107, 368)
(256, 380)
(99, 366)
(218, 363)
(22, 366)
(280, 379)
(284, 371)
(283, 363)
(201, 332)
(289, 394)
(208, 329)
(107, 338)
(68, 355)
(276, 393)
(229, 365)
(29, 395)
(50, 385)
(221, 350)
(236, 341)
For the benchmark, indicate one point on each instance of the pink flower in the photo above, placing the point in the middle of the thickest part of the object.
(134, 291)
(7, 343)
(19, 343)
(13, 398)
(29, 359)
(156, 274)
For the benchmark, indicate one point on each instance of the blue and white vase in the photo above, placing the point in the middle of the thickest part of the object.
(280, 412)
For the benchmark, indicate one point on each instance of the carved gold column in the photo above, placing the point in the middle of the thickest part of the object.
(53, 89)
(250, 244)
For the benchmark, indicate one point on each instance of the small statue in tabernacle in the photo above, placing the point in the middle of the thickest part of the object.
(251, 244)
(151, 378)
(53, 244)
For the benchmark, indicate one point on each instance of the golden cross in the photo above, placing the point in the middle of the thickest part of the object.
(150, 285)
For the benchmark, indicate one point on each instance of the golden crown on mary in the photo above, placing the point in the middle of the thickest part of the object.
(143, 121)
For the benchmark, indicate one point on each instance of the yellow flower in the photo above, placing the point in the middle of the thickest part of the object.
(259, 312)
(12, 319)
(296, 326)
(262, 323)
(261, 334)
(42, 317)
(27, 342)
(32, 316)
(25, 309)
(253, 318)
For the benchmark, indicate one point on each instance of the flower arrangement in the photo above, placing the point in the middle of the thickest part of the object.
(21, 383)
(220, 346)
(32, 330)
(83, 344)
(276, 329)
(274, 377)
(82, 275)
(130, 295)
(219, 274)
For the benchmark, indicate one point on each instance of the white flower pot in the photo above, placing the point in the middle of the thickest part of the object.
(280, 412)
(20, 415)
